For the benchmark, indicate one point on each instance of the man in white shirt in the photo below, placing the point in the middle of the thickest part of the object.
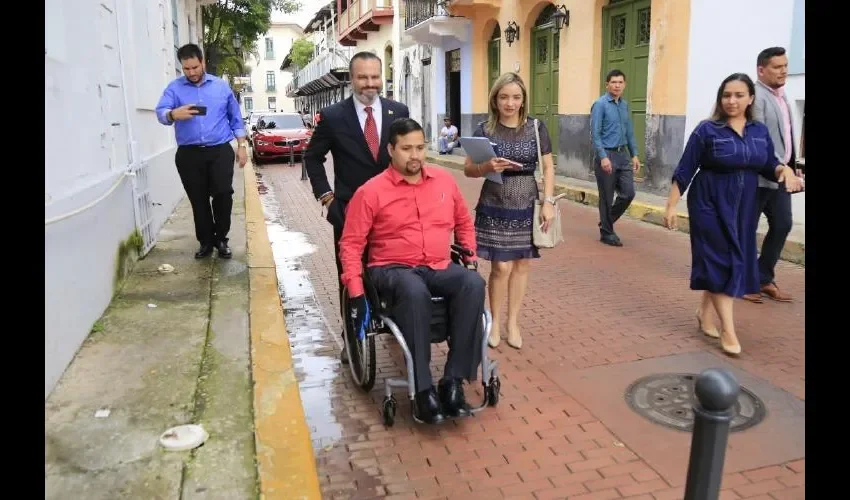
(448, 137)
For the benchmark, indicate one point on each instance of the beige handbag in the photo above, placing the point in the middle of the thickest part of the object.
(553, 236)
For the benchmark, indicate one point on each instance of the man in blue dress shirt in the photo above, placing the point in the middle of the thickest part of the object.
(206, 118)
(616, 160)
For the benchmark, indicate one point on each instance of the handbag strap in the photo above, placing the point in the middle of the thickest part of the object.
(537, 139)
(539, 155)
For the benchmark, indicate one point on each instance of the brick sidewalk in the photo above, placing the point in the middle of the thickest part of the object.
(588, 307)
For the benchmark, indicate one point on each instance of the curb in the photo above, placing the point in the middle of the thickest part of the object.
(285, 459)
(793, 251)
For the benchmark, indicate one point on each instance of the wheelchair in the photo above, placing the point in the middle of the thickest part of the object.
(361, 351)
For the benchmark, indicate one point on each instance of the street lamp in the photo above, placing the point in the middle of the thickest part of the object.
(511, 33)
(561, 17)
(237, 41)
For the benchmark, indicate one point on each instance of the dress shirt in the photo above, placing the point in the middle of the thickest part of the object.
(222, 122)
(376, 114)
(779, 96)
(611, 126)
(403, 223)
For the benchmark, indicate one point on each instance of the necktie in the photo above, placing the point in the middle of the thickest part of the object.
(371, 133)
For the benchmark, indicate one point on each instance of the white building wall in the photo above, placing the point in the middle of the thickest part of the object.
(106, 64)
(713, 55)
(283, 35)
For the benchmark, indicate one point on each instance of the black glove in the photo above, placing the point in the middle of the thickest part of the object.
(360, 315)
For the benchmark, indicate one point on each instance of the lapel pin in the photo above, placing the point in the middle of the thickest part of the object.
(389, 112)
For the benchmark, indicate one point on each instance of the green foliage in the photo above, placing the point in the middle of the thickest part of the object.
(249, 19)
(302, 52)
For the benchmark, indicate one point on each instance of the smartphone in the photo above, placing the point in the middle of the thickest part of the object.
(202, 110)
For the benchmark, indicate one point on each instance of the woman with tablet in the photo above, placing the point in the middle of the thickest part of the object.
(505, 211)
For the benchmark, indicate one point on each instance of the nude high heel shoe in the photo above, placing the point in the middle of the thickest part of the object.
(713, 333)
(732, 349)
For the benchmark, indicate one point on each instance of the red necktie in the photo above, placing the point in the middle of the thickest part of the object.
(371, 133)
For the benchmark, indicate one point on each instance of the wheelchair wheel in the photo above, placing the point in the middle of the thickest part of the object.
(492, 390)
(361, 353)
(389, 411)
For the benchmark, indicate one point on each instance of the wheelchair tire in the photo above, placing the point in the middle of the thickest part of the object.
(389, 411)
(361, 353)
(493, 389)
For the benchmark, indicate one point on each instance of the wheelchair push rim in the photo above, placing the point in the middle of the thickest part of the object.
(361, 353)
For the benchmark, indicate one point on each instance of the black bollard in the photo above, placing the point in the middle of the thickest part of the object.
(717, 392)
(303, 168)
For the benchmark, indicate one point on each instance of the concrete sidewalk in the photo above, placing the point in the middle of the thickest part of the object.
(649, 207)
(171, 349)
(205, 344)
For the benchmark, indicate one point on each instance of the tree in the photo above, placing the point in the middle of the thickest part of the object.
(302, 52)
(247, 18)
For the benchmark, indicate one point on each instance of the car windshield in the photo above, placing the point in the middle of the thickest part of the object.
(281, 121)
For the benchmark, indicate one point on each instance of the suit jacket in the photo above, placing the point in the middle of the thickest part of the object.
(767, 111)
(338, 132)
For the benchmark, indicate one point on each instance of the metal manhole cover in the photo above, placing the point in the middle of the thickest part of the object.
(667, 399)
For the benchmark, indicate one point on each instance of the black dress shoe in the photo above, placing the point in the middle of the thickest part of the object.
(223, 251)
(612, 240)
(343, 357)
(204, 251)
(427, 407)
(452, 398)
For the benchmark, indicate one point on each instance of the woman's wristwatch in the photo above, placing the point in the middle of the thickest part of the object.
(551, 199)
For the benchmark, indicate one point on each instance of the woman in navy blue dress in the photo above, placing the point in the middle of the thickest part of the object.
(721, 163)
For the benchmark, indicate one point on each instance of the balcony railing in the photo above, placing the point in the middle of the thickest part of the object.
(358, 9)
(417, 11)
(320, 66)
(270, 88)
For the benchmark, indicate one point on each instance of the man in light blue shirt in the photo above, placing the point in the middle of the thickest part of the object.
(616, 159)
(206, 118)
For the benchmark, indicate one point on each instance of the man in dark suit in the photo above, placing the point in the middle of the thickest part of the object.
(356, 132)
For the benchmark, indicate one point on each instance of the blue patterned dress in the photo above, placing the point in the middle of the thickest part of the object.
(503, 216)
(722, 203)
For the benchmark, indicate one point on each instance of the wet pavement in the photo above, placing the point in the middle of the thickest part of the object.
(588, 306)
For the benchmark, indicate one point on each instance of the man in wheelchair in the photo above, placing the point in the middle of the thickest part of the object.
(406, 216)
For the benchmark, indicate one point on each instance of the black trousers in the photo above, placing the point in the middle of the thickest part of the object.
(336, 217)
(776, 206)
(409, 292)
(622, 181)
(207, 172)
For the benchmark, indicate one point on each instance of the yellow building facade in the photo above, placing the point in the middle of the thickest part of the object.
(564, 70)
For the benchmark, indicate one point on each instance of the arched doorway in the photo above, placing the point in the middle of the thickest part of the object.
(406, 96)
(545, 52)
(388, 71)
(494, 65)
(625, 46)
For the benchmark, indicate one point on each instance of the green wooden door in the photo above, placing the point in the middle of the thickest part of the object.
(625, 46)
(544, 79)
(494, 65)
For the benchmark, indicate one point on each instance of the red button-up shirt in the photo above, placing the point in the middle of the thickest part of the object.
(403, 223)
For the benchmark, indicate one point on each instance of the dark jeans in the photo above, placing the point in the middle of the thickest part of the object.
(208, 173)
(776, 206)
(409, 291)
(622, 180)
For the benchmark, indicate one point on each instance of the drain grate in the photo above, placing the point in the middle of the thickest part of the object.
(667, 399)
